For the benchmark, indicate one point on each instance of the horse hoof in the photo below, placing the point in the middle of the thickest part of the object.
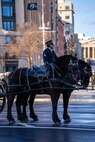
(67, 121)
(26, 120)
(35, 119)
(57, 124)
(23, 121)
(20, 119)
(11, 122)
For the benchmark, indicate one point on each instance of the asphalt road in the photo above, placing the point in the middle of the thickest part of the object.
(81, 128)
(46, 135)
(82, 114)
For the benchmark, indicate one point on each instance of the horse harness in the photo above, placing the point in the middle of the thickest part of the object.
(40, 75)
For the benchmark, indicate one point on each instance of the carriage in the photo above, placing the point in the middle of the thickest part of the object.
(62, 77)
(2, 92)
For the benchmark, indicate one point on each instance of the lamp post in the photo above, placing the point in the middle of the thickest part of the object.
(43, 25)
(33, 6)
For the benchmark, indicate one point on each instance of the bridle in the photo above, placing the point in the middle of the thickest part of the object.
(85, 73)
(73, 70)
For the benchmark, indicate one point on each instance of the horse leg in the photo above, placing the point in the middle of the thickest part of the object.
(25, 100)
(21, 104)
(66, 97)
(25, 117)
(31, 102)
(54, 100)
(18, 107)
(10, 100)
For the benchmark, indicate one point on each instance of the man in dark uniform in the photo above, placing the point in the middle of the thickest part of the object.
(49, 56)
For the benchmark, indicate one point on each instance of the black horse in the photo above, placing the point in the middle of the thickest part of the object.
(63, 77)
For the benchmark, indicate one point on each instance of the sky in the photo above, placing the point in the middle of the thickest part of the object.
(84, 17)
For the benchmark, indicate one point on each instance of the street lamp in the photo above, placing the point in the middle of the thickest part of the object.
(43, 25)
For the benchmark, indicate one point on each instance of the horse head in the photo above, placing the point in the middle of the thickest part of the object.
(85, 73)
(73, 68)
(68, 64)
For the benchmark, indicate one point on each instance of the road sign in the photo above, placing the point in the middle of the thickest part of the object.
(32, 6)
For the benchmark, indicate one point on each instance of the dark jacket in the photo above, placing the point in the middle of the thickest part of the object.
(49, 56)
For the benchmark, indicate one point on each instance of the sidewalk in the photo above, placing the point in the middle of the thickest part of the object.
(76, 96)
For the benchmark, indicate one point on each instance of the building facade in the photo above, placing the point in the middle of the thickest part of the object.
(78, 51)
(89, 52)
(66, 12)
(14, 13)
(7, 23)
(60, 37)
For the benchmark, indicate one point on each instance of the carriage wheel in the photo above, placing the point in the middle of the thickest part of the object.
(2, 99)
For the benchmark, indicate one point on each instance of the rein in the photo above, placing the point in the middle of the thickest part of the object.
(66, 75)
(39, 89)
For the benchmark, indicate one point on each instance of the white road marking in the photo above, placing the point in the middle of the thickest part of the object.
(24, 126)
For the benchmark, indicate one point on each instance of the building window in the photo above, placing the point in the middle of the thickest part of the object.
(67, 17)
(10, 68)
(8, 39)
(82, 51)
(7, 0)
(8, 15)
(67, 27)
(67, 32)
(67, 7)
(52, 25)
(94, 52)
(9, 25)
(67, 12)
(86, 52)
(90, 52)
(8, 11)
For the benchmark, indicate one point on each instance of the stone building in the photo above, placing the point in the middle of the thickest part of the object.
(15, 12)
(89, 52)
(66, 12)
